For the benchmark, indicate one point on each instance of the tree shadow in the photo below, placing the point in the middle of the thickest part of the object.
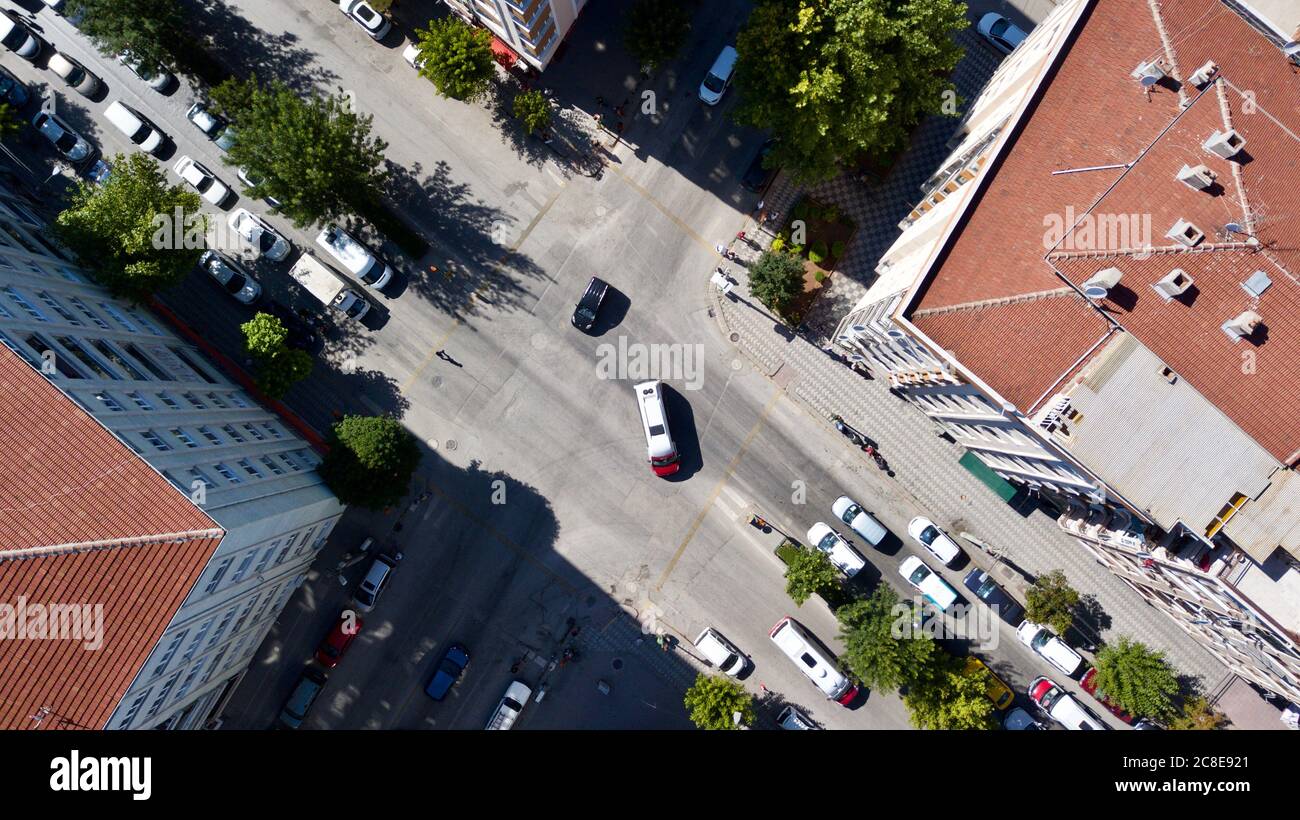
(242, 48)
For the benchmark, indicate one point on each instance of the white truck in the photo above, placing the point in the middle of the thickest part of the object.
(329, 287)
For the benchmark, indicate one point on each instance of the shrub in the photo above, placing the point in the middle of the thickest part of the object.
(837, 249)
(776, 279)
(777, 244)
(818, 252)
(820, 276)
(796, 250)
(533, 110)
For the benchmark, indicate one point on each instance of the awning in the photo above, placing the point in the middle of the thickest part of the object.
(999, 485)
(503, 53)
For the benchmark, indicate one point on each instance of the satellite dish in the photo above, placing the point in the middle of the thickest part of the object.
(1149, 80)
(1233, 227)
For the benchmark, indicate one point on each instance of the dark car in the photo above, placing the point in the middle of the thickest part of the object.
(1089, 684)
(756, 177)
(340, 638)
(12, 90)
(301, 698)
(302, 330)
(988, 591)
(584, 315)
(448, 672)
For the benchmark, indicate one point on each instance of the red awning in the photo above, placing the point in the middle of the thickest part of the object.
(504, 54)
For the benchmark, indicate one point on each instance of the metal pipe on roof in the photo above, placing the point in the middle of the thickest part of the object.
(1092, 168)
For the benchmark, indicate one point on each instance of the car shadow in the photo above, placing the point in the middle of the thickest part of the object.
(612, 312)
(889, 545)
(681, 421)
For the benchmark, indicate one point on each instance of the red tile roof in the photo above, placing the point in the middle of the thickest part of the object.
(68, 482)
(1092, 113)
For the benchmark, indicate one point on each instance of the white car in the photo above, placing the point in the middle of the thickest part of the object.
(236, 281)
(53, 5)
(204, 120)
(156, 77)
(354, 256)
(412, 55)
(845, 558)
(934, 588)
(70, 145)
(246, 176)
(18, 38)
(1062, 707)
(374, 23)
(1052, 649)
(202, 180)
(859, 520)
(925, 533)
(1001, 32)
(265, 239)
(721, 652)
(74, 74)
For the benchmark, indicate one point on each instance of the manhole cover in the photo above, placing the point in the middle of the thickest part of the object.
(538, 341)
(451, 444)
(735, 337)
(736, 364)
(436, 381)
(617, 664)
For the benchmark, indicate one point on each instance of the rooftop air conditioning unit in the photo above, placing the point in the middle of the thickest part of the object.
(1185, 233)
(1202, 76)
(1100, 283)
(1174, 284)
(1148, 73)
(1242, 326)
(1257, 284)
(1200, 177)
(1225, 143)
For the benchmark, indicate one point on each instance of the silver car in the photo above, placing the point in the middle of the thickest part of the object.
(18, 38)
(156, 77)
(71, 145)
(234, 279)
(74, 74)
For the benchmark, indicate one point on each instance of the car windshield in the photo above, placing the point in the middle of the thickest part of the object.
(1050, 697)
(1041, 639)
(928, 535)
(66, 143)
(714, 83)
(827, 543)
(850, 514)
(1000, 27)
(235, 283)
(201, 182)
(919, 575)
(986, 589)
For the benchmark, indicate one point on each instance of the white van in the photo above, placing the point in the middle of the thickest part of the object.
(822, 669)
(721, 652)
(660, 448)
(719, 77)
(138, 129)
(354, 256)
(512, 703)
(367, 594)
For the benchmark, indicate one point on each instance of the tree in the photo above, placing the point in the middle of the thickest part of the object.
(874, 651)
(655, 30)
(831, 78)
(129, 229)
(456, 57)
(316, 156)
(948, 696)
(533, 110)
(1051, 601)
(1137, 678)
(380, 6)
(370, 461)
(1197, 714)
(149, 29)
(809, 572)
(776, 279)
(713, 702)
(10, 122)
(279, 366)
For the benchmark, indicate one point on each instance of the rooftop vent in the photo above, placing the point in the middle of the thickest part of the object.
(1148, 73)
(1185, 233)
(1242, 326)
(1202, 76)
(1174, 284)
(1101, 282)
(1200, 177)
(1224, 143)
(1257, 284)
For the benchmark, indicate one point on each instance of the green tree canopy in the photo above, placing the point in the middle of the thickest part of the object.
(1051, 601)
(810, 572)
(533, 110)
(948, 696)
(279, 366)
(370, 461)
(315, 156)
(776, 279)
(872, 650)
(713, 702)
(264, 335)
(128, 232)
(1137, 678)
(831, 78)
(1196, 714)
(654, 30)
(149, 29)
(456, 58)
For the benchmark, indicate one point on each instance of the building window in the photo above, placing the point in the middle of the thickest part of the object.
(194, 401)
(198, 640)
(233, 433)
(264, 561)
(284, 553)
(85, 311)
(216, 664)
(228, 474)
(215, 399)
(183, 437)
(198, 475)
(272, 466)
(162, 695)
(243, 616)
(217, 575)
(209, 435)
(189, 679)
(249, 468)
(167, 399)
(140, 401)
(134, 709)
(237, 400)
(289, 462)
(221, 627)
(145, 323)
(193, 365)
(254, 432)
(149, 364)
(155, 440)
(118, 317)
(272, 429)
(242, 570)
(54, 305)
(99, 368)
(109, 352)
(28, 307)
(109, 402)
(161, 666)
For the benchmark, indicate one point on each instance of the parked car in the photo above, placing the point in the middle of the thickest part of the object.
(997, 599)
(721, 652)
(719, 77)
(74, 74)
(1062, 707)
(156, 77)
(1001, 32)
(1018, 720)
(792, 718)
(13, 91)
(1089, 684)
(301, 325)
(757, 177)
(225, 139)
(236, 281)
(70, 145)
(448, 673)
(204, 120)
(820, 667)
(940, 545)
(355, 257)
(17, 37)
(934, 588)
(371, 21)
(859, 520)
(511, 704)
(584, 314)
(135, 126)
(99, 171)
(845, 558)
(377, 577)
(266, 240)
(1052, 649)
(249, 179)
(202, 180)
(336, 643)
(302, 697)
(54, 5)
(411, 54)
(997, 689)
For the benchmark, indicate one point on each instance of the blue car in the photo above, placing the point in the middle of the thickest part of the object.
(449, 671)
(12, 90)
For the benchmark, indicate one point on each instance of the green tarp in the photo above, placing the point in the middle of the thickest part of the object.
(1004, 489)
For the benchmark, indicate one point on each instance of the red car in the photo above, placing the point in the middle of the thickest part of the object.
(340, 638)
(1089, 684)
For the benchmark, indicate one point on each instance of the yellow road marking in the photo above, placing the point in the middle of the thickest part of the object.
(663, 209)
